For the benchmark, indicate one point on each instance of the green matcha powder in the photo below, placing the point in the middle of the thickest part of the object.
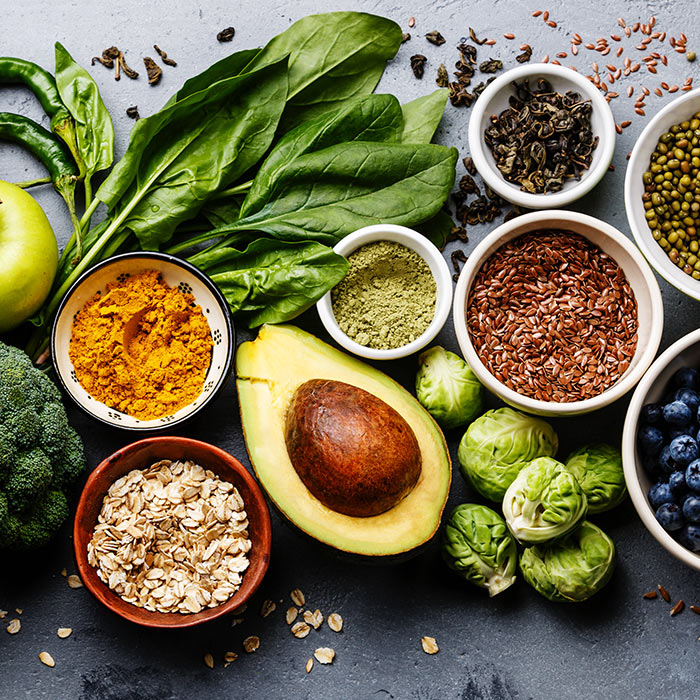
(387, 299)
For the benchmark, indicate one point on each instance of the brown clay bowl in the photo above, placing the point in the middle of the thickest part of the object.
(140, 455)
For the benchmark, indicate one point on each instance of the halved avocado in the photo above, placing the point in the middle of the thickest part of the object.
(269, 370)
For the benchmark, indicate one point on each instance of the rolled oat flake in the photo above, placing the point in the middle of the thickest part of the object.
(387, 299)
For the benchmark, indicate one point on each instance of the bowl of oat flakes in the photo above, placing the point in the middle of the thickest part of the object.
(172, 532)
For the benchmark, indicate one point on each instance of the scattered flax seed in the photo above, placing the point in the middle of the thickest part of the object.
(297, 598)
(640, 112)
(618, 128)
(552, 24)
(545, 16)
(46, 659)
(695, 609)
(509, 36)
(64, 632)
(291, 615)
(268, 607)
(335, 622)
(429, 645)
(300, 630)
(209, 660)
(251, 644)
(664, 593)
(412, 22)
(625, 123)
(537, 13)
(309, 664)
(74, 581)
(677, 608)
(650, 595)
(324, 655)
(630, 90)
(229, 658)
(14, 626)
(658, 92)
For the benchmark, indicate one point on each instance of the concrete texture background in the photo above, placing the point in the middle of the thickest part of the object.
(516, 646)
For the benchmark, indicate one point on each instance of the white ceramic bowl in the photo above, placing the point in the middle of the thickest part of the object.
(650, 309)
(494, 100)
(176, 273)
(441, 273)
(683, 353)
(673, 113)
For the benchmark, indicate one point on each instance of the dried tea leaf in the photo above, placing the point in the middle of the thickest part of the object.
(335, 622)
(490, 66)
(435, 37)
(129, 72)
(133, 112)
(226, 34)
(442, 78)
(297, 598)
(109, 56)
(154, 71)
(251, 644)
(14, 626)
(309, 664)
(74, 581)
(404, 38)
(469, 165)
(164, 56)
(291, 615)
(209, 660)
(268, 607)
(525, 56)
(472, 36)
(46, 659)
(300, 630)
(324, 655)
(418, 65)
(64, 632)
(429, 645)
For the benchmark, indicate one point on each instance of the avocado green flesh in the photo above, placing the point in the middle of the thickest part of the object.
(268, 370)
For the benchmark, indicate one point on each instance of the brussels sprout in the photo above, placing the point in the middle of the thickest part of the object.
(498, 445)
(572, 569)
(477, 545)
(544, 502)
(598, 468)
(447, 388)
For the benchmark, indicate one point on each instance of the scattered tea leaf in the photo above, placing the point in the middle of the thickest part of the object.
(133, 112)
(525, 56)
(405, 37)
(435, 37)
(226, 34)
(164, 56)
(154, 71)
(442, 79)
(418, 65)
(472, 36)
(491, 66)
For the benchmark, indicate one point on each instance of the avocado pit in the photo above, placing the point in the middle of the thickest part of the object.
(353, 452)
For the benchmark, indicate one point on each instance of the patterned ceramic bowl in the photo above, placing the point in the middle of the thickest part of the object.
(176, 273)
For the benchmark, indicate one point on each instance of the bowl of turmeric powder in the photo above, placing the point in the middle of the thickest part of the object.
(143, 341)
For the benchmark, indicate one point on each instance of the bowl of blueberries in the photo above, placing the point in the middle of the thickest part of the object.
(661, 449)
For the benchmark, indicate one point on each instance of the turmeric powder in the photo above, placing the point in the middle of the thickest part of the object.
(141, 347)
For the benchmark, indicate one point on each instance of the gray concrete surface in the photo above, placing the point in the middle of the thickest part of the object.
(516, 646)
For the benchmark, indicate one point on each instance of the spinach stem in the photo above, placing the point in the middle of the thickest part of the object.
(238, 189)
(33, 183)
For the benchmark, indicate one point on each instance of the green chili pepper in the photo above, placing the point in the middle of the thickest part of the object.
(43, 85)
(44, 145)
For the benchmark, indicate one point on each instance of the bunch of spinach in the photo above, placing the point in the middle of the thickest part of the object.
(337, 158)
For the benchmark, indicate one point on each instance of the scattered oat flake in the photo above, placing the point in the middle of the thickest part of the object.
(237, 621)
(46, 659)
(297, 597)
(268, 607)
(19, 611)
(3, 614)
(209, 660)
(229, 658)
(335, 622)
(429, 645)
(300, 630)
(14, 626)
(309, 664)
(315, 619)
(64, 572)
(64, 632)
(291, 615)
(324, 655)
(251, 644)
(74, 581)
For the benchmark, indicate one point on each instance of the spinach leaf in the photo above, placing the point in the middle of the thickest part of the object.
(368, 118)
(273, 281)
(180, 156)
(327, 194)
(422, 116)
(93, 125)
(437, 228)
(219, 212)
(333, 57)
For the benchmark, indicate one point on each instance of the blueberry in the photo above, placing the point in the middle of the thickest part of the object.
(691, 508)
(677, 413)
(650, 439)
(676, 482)
(650, 465)
(683, 450)
(665, 461)
(692, 475)
(686, 377)
(670, 516)
(659, 494)
(677, 432)
(690, 398)
(689, 537)
(650, 413)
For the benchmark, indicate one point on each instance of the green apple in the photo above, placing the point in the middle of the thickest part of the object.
(28, 256)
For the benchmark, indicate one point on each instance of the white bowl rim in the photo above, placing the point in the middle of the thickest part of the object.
(443, 282)
(551, 200)
(678, 279)
(551, 407)
(629, 456)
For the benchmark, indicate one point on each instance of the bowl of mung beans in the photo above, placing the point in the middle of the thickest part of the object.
(662, 193)
(557, 313)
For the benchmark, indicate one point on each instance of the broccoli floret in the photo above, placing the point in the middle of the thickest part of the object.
(40, 454)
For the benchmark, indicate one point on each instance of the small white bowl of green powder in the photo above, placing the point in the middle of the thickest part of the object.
(395, 297)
